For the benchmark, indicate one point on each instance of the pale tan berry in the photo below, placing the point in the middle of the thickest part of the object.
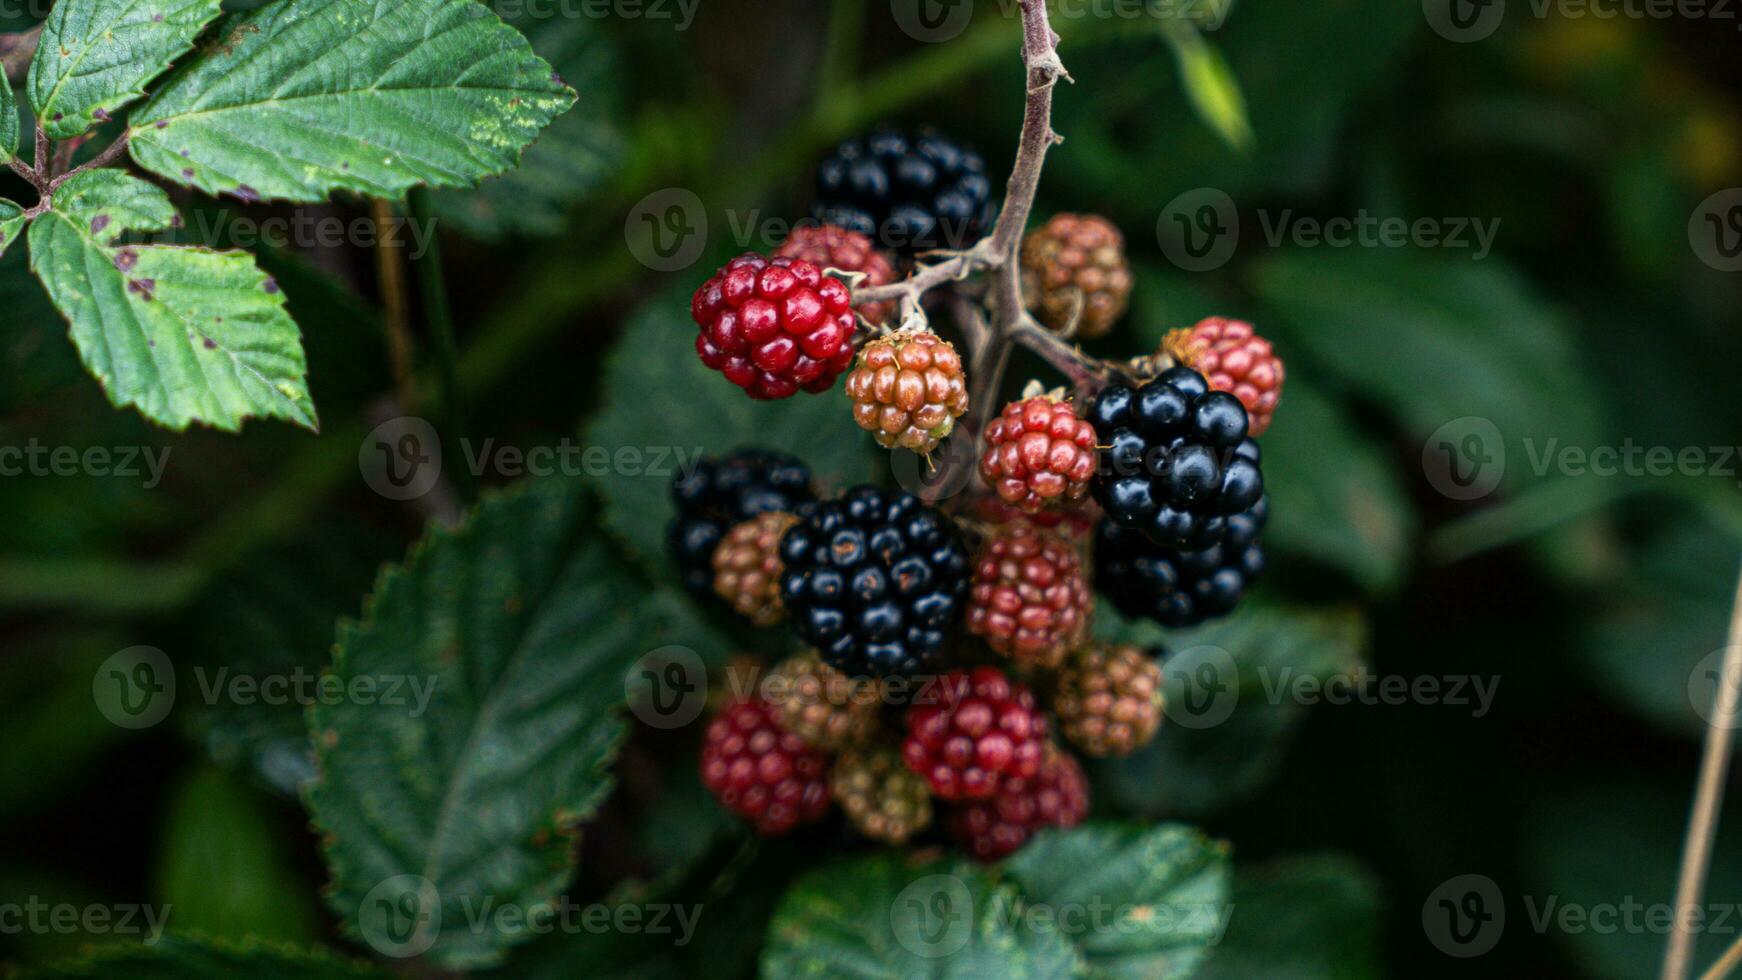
(883, 798)
(1108, 699)
(747, 567)
(1074, 266)
(908, 389)
(820, 704)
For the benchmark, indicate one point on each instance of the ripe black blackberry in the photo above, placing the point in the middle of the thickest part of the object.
(874, 581)
(1177, 462)
(909, 194)
(1180, 588)
(720, 493)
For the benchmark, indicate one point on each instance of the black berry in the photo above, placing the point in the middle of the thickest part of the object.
(875, 581)
(720, 493)
(1178, 463)
(1180, 588)
(908, 193)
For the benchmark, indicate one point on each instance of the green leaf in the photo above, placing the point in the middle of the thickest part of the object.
(185, 334)
(436, 92)
(1223, 736)
(225, 869)
(12, 221)
(96, 56)
(519, 625)
(1210, 84)
(8, 122)
(185, 958)
(1139, 900)
(669, 411)
(575, 156)
(1314, 917)
(879, 916)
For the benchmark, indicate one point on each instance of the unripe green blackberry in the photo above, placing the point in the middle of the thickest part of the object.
(1108, 699)
(820, 704)
(884, 799)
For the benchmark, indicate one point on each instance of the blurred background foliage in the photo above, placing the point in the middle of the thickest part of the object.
(1590, 141)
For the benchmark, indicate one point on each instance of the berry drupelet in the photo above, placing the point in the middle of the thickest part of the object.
(833, 247)
(1030, 598)
(1056, 796)
(1039, 454)
(1108, 699)
(1232, 358)
(908, 390)
(722, 493)
(908, 193)
(1178, 463)
(875, 581)
(762, 772)
(1180, 588)
(774, 326)
(972, 729)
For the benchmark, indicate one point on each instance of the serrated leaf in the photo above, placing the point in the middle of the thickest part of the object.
(185, 958)
(578, 153)
(436, 92)
(675, 409)
(185, 334)
(880, 916)
(520, 624)
(1138, 900)
(225, 869)
(1228, 743)
(1314, 917)
(12, 221)
(95, 56)
(8, 121)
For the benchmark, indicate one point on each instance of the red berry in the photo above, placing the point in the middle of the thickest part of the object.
(834, 247)
(1039, 454)
(1030, 599)
(1057, 796)
(1074, 266)
(762, 772)
(971, 730)
(773, 326)
(1232, 358)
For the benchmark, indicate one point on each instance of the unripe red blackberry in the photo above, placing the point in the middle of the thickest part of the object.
(1075, 265)
(773, 326)
(1056, 796)
(747, 567)
(1030, 598)
(762, 772)
(971, 730)
(1108, 699)
(834, 247)
(1232, 358)
(884, 799)
(908, 390)
(1039, 454)
(820, 704)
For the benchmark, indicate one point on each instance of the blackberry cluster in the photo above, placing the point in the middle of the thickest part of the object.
(908, 193)
(1178, 463)
(1180, 588)
(874, 581)
(720, 493)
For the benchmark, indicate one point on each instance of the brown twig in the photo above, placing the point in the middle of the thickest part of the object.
(395, 299)
(110, 154)
(1708, 800)
(1726, 964)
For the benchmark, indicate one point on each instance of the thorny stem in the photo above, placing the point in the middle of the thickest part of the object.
(1708, 800)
